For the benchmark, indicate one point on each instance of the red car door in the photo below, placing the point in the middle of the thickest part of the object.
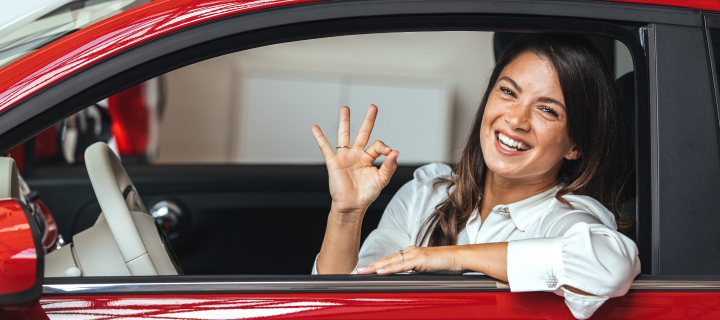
(675, 105)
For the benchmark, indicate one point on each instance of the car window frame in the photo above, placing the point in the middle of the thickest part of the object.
(712, 21)
(287, 29)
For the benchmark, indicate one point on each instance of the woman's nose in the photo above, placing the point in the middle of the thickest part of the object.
(518, 117)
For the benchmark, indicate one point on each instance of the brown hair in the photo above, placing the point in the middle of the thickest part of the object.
(596, 126)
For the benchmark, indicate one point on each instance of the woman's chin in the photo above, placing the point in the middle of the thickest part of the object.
(505, 170)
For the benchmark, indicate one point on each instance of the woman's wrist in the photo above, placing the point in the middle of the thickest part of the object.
(339, 251)
(460, 255)
(347, 215)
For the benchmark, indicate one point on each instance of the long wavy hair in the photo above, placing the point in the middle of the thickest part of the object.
(595, 124)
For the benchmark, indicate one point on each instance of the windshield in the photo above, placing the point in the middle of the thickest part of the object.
(66, 19)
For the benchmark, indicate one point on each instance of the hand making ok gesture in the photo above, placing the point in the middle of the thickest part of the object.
(354, 182)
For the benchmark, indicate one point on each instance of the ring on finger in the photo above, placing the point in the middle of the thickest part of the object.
(402, 257)
(338, 147)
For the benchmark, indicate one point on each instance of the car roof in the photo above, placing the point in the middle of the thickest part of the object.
(16, 14)
(73, 53)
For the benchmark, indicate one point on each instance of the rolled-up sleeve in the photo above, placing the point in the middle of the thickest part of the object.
(589, 257)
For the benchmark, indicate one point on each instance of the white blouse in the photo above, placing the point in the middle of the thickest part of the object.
(549, 244)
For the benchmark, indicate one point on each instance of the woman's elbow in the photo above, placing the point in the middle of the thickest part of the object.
(620, 265)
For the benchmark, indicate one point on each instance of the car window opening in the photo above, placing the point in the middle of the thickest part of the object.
(148, 125)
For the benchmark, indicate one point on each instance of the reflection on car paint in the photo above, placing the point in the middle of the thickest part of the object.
(399, 305)
(18, 255)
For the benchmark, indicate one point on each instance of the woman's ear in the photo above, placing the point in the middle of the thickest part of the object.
(573, 153)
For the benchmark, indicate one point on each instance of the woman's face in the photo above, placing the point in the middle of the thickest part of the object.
(524, 128)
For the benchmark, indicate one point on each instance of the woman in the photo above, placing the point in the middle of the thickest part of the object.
(533, 201)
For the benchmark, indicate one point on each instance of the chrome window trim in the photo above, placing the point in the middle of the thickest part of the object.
(331, 286)
(273, 286)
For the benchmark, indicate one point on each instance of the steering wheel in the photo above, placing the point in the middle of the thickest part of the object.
(140, 241)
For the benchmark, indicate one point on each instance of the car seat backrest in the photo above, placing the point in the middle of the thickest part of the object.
(626, 89)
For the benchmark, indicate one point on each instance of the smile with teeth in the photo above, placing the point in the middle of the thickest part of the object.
(510, 144)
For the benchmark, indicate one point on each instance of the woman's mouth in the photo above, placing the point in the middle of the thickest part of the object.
(509, 144)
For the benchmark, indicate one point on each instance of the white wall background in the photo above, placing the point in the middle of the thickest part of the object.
(204, 98)
(277, 107)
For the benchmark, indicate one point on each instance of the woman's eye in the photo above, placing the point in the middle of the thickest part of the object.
(549, 111)
(507, 91)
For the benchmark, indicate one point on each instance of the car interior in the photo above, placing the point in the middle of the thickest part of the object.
(222, 154)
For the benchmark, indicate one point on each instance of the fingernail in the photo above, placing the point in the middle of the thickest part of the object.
(387, 148)
(380, 270)
(361, 269)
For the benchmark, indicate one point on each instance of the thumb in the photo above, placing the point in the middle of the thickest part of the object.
(388, 167)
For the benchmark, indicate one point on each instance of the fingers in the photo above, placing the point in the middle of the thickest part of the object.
(325, 148)
(388, 167)
(344, 129)
(402, 266)
(393, 263)
(361, 139)
(377, 149)
(380, 265)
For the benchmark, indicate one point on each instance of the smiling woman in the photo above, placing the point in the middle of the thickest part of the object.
(533, 200)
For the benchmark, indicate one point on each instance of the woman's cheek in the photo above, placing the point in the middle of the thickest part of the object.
(557, 137)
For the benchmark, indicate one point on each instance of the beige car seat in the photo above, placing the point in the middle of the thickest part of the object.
(124, 241)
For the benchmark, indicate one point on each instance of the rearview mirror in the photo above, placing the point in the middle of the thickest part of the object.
(21, 253)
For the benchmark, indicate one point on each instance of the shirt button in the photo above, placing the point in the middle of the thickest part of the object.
(503, 210)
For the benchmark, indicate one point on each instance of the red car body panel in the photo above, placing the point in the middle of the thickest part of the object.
(437, 305)
(18, 258)
(130, 125)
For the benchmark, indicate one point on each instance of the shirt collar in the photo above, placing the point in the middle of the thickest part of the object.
(526, 212)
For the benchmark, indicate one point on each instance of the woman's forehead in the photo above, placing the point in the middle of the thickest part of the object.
(533, 74)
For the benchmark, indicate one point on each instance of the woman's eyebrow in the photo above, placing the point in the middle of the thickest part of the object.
(517, 87)
(550, 100)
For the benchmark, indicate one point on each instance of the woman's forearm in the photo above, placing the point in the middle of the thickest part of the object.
(491, 259)
(341, 245)
(488, 258)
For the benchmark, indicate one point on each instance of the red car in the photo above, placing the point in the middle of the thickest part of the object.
(217, 217)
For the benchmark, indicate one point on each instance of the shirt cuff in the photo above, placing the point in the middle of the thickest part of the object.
(315, 272)
(535, 264)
